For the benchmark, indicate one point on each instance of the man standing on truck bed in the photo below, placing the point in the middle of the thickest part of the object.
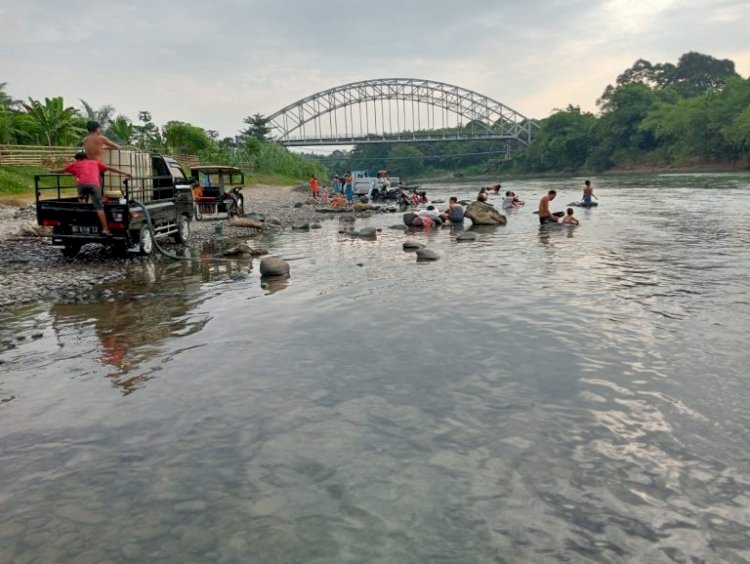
(94, 143)
(88, 180)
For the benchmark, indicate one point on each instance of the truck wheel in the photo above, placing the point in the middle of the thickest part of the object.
(71, 250)
(146, 241)
(183, 230)
(241, 207)
(197, 212)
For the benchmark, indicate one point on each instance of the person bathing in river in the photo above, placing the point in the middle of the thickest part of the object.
(545, 216)
(430, 211)
(569, 219)
(511, 200)
(588, 193)
(88, 181)
(482, 196)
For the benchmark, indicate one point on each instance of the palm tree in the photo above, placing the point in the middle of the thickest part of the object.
(59, 125)
(121, 129)
(6, 102)
(6, 118)
(103, 116)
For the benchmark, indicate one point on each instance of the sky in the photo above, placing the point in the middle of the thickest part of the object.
(213, 63)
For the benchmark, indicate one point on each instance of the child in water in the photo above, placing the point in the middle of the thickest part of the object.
(568, 218)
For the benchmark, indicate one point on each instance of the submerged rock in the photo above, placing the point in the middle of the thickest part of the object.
(424, 255)
(412, 245)
(368, 233)
(465, 236)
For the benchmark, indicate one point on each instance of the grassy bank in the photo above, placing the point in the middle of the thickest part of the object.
(17, 184)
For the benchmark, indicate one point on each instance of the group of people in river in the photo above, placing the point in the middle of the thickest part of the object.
(566, 217)
(428, 215)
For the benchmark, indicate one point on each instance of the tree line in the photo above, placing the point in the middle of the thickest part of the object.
(51, 122)
(694, 112)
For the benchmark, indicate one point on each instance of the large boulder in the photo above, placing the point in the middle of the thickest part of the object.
(274, 266)
(481, 213)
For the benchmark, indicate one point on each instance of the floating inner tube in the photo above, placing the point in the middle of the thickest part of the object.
(583, 204)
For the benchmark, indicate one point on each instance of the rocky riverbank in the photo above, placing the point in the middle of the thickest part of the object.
(31, 270)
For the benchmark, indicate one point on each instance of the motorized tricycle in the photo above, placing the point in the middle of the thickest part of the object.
(218, 192)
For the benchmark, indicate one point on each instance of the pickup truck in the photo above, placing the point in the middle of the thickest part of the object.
(166, 197)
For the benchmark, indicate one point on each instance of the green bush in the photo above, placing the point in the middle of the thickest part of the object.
(18, 179)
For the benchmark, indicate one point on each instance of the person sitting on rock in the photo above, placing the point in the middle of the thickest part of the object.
(454, 213)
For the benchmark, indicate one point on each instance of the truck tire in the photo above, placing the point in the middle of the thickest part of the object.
(240, 207)
(146, 241)
(70, 250)
(197, 213)
(183, 230)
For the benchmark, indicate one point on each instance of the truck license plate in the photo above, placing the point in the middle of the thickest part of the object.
(84, 229)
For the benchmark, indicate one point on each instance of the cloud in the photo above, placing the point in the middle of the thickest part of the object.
(214, 63)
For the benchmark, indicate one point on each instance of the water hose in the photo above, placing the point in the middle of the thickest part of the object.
(161, 249)
(150, 225)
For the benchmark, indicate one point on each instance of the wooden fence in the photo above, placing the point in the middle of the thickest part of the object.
(33, 155)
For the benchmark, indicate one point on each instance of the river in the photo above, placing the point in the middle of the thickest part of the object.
(575, 394)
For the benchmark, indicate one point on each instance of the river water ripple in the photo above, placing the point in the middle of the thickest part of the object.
(536, 395)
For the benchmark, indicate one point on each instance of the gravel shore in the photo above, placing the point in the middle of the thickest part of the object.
(31, 270)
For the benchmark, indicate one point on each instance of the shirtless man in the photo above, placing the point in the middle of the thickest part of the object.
(588, 192)
(94, 143)
(545, 216)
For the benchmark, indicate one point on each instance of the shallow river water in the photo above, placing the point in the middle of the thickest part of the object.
(537, 395)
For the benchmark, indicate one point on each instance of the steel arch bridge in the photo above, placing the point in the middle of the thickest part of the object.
(398, 110)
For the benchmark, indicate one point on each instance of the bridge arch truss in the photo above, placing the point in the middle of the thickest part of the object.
(398, 110)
